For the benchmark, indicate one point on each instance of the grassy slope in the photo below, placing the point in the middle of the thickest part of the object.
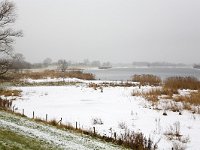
(10, 140)
(23, 133)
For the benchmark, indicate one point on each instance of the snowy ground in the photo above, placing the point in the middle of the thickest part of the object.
(57, 138)
(115, 108)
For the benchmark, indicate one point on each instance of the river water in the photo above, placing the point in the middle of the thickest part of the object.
(127, 73)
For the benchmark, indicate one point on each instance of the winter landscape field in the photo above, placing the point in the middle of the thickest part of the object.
(99, 75)
(110, 109)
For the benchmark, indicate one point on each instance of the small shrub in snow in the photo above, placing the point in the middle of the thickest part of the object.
(97, 121)
(136, 141)
(122, 125)
(173, 134)
(178, 146)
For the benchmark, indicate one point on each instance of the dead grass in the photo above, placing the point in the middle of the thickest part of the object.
(6, 92)
(176, 83)
(193, 98)
(5, 104)
(169, 90)
(147, 79)
(52, 74)
(154, 94)
(128, 139)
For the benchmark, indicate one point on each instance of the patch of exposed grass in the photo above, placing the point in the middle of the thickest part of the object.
(10, 140)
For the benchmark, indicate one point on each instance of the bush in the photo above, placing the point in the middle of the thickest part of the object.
(147, 79)
(5, 104)
(137, 141)
(97, 121)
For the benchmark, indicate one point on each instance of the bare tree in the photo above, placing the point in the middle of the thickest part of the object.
(18, 62)
(62, 65)
(7, 34)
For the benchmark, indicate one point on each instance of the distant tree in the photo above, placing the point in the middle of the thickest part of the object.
(19, 63)
(62, 65)
(86, 62)
(47, 62)
(7, 34)
(95, 63)
(107, 64)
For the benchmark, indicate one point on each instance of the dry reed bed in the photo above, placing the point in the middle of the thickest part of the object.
(169, 90)
(147, 79)
(48, 74)
(57, 74)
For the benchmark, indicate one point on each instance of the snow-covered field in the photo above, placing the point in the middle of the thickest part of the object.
(114, 109)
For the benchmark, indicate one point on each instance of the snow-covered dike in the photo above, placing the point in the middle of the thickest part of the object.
(110, 111)
(58, 138)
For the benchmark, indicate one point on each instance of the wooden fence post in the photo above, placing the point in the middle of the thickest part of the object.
(76, 125)
(115, 136)
(46, 117)
(94, 130)
(60, 121)
(33, 115)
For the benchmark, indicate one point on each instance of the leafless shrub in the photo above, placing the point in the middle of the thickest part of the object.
(178, 145)
(174, 131)
(136, 141)
(122, 125)
(97, 121)
(5, 104)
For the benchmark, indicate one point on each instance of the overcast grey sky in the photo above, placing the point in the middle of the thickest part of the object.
(110, 30)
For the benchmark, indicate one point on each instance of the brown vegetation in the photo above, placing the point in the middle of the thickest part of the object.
(56, 74)
(192, 98)
(169, 90)
(147, 79)
(6, 92)
(176, 83)
(5, 104)
(16, 76)
(154, 94)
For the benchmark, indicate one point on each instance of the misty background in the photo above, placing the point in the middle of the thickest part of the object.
(109, 30)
